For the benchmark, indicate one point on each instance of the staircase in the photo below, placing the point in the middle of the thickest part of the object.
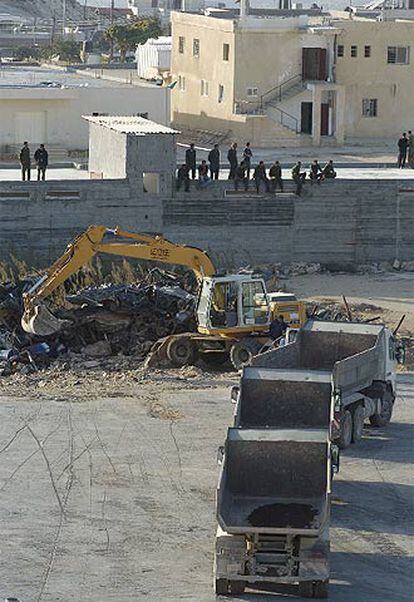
(271, 100)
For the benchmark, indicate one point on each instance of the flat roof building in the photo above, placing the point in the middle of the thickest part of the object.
(292, 76)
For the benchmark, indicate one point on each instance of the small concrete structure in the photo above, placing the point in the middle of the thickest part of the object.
(154, 57)
(134, 148)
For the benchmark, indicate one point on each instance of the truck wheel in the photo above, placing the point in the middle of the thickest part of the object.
(320, 589)
(237, 587)
(181, 351)
(242, 352)
(306, 589)
(345, 433)
(222, 587)
(358, 419)
(383, 418)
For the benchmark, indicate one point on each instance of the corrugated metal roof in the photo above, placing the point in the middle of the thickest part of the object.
(138, 126)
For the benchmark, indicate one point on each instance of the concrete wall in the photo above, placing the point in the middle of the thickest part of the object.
(64, 108)
(107, 152)
(344, 221)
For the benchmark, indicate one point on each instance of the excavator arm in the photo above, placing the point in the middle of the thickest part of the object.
(37, 319)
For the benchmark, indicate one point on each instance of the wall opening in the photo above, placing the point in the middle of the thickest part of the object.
(151, 182)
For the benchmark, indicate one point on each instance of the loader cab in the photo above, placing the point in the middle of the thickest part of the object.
(229, 303)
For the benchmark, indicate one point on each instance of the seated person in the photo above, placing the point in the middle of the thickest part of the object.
(329, 171)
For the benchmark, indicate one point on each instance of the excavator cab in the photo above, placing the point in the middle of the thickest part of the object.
(233, 303)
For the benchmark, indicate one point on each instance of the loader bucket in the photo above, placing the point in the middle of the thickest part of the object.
(42, 322)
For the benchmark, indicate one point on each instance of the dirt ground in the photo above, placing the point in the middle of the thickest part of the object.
(108, 476)
(113, 499)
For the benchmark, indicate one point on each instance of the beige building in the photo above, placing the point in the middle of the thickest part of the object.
(293, 77)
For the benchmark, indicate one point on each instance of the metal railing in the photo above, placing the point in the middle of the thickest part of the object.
(277, 91)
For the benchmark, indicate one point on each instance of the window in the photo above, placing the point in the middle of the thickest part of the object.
(226, 52)
(398, 55)
(181, 83)
(252, 91)
(367, 51)
(340, 50)
(204, 87)
(224, 305)
(354, 51)
(196, 47)
(181, 44)
(220, 93)
(369, 107)
(253, 310)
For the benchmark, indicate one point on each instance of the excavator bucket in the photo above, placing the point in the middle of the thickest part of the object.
(42, 322)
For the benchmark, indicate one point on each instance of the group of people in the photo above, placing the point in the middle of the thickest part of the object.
(240, 173)
(41, 158)
(406, 150)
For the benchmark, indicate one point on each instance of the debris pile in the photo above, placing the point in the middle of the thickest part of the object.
(103, 321)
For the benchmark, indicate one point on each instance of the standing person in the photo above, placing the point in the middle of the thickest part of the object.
(278, 327)
(259, 175)
(183, 177)
(41, 157)
(247, 158)
(298, 177)
(402, 150)
(25, 161)
(315, 172)
(214, 160)
(275, 176)
(329, 170)
(240, 176)
(232, 159)
(410, 149)
(190, 159)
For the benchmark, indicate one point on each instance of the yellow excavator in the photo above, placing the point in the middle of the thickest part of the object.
(234, 311)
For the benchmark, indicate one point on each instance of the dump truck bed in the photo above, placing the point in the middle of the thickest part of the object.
(274, 481)
(352, 352)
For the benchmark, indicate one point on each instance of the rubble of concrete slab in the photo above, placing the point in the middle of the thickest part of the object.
(103, 321)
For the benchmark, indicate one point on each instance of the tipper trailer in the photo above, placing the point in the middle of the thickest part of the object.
(273, 505)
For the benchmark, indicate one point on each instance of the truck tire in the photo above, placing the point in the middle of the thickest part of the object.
(242, 352)
(237, 587)
(306, 589)
(345, 431)
(358, 419)
(320, 589)
(222, 587)
(384, 417)
(181, 351)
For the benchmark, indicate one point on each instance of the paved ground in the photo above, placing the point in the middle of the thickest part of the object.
(343, 173)
(113, 499)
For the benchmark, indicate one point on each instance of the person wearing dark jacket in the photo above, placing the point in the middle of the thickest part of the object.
(240, 176)
(183, 177)
(214, 160)
(278, 328)
(329, 170)
(298, 177)
(232, 159)
(247, 158)
(41, 157)
(190, 160)
(402, 150)
(259, 175)
(275, 176)
(25, 161)
(315, 172)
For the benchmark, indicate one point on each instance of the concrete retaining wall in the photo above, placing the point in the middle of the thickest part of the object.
(345, 221)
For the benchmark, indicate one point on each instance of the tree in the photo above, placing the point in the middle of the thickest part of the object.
(67, 50)
(127, 37)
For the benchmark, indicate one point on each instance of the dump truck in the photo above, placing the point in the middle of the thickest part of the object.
(273, 508)
(351, 363)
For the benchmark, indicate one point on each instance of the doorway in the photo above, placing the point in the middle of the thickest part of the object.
(314, 63)
(306, 117)
(324, 119)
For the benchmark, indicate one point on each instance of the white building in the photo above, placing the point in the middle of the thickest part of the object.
(154, 57)
(46, 105)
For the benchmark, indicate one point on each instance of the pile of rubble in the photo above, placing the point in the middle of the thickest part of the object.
(109, 320)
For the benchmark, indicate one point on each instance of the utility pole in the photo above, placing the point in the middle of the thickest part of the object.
(64, 17)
